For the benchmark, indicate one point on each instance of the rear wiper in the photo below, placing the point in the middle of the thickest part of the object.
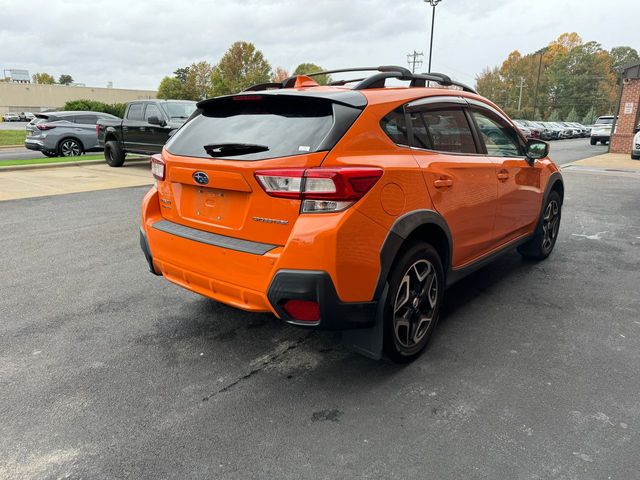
(230, 149)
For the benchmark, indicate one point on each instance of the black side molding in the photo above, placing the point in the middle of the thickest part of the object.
(214, 239)
(399, 232)
(144, 245)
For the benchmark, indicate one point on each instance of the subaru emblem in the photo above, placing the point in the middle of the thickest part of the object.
(201, 178)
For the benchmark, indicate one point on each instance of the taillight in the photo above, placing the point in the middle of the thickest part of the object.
(45, 126)
(157, 167)
(320, 189)
(302, 310)
(97, 130)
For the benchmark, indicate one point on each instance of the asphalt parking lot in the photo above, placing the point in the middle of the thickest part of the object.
(109, 372)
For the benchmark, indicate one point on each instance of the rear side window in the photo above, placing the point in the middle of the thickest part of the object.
(395, 126)
(87, 119)
(257, 127)
(135, 111)
(444, 130)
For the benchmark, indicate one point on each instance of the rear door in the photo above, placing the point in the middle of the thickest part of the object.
(519, 183)
(461, 181)
(86, 129)
(283, 131)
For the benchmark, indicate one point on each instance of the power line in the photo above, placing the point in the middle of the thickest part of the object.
(412, 60)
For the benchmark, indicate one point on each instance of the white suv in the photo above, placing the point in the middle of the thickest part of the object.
(601, 130)
(635, 147)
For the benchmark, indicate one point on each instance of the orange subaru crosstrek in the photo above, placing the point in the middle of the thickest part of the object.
(350, 206)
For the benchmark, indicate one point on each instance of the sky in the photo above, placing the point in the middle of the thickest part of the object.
(135, 43)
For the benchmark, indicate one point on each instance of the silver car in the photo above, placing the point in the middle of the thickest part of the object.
(64, 134)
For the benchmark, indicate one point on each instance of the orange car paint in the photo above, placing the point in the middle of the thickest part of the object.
(482, 213)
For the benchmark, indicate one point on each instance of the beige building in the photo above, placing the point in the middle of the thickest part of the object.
(29, 97)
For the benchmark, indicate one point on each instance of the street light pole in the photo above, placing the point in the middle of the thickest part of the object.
(433, 4)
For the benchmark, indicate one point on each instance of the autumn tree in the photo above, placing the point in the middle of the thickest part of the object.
(312, 68)
(566, 74)
(279, 74)
(43, 78)
(240, 67)
(198, 83)
(65, 79)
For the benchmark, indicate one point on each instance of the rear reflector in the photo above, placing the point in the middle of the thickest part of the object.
(302, 310)
(320, 189)
(157, 167)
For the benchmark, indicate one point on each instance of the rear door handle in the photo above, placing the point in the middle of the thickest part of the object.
(503, 175)
(443, 183)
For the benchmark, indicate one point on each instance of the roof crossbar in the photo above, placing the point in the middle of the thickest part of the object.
(377, 80)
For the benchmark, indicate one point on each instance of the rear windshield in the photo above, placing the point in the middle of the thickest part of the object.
(605, 121)
(277, 125)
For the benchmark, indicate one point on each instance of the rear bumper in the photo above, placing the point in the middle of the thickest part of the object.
(36, 145)
(248, 275)
(318, 287)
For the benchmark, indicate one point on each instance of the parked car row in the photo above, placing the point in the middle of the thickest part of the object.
(552, 130)
(146, 128)
(17, 117)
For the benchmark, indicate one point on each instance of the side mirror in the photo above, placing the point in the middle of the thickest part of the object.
(153, 120)
(636, 130)
(536, 149)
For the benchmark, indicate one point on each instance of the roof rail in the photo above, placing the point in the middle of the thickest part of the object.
(377, 80)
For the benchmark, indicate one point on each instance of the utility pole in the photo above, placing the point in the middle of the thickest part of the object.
(520, 98)
(413, 59)
(433, 3)
(540, 52)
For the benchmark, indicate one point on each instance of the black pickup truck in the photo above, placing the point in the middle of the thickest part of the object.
(146, 127)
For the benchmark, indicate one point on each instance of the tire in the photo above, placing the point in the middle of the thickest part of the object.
(70, 147)
(113, 154)
(593, 141)
(544, 238)
(416, 287)
(49, 154)
(635, 157)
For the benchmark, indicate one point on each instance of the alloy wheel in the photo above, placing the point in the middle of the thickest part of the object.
(415, 303)
(550, 223)
(70, 148)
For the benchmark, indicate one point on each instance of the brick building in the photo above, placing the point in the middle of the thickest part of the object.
(628, 117)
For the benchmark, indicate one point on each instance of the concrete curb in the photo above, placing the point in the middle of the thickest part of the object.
(40, 166)
(10, 146)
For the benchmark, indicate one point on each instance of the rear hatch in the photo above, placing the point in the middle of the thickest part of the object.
(210, 163)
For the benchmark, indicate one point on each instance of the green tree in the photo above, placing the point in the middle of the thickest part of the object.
(65, 79)
(171, 88)
(572, 116)
(43, 78)
(590, 116)
(623, 56)
(239, 68)
(312, 68)
(554, 116)
(181, 74)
